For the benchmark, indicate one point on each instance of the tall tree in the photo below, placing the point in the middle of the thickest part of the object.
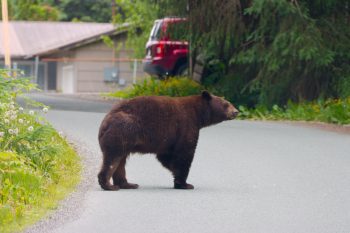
(87, 10)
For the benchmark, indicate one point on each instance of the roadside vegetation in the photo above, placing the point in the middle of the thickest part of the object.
(37, 165)
(175, 86)
(335, 111)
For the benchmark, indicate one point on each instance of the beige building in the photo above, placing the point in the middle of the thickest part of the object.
(72, 57)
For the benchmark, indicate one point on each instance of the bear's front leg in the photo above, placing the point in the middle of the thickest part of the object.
(180, 168)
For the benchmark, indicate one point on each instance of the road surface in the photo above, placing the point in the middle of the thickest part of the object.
(249, 177)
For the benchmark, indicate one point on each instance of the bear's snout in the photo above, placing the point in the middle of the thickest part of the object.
(232, 113)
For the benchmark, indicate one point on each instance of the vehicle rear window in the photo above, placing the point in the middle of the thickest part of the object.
(155, 33)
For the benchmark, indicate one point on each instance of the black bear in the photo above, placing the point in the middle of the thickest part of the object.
(168, 127)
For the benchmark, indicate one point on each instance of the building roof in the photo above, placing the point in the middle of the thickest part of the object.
(30, 38)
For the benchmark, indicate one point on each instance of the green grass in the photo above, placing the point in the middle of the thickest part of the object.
(27, 195)
(334, 111)
(37, 165)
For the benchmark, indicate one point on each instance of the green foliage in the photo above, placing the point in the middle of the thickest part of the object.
(336, 111)
(278, 49)
(343, 86)
(11, 87)
(140, 16)
(64, 10)
(86, 11)
(289, 52)
(37, 166)
(36, 10)
(169, 87)
(20, 184)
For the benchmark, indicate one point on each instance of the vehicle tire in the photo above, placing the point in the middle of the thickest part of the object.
(182, 70)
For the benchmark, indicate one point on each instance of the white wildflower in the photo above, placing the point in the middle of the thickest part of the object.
(2, 134)
(30, 128)
(20, 121)
(6, 121)
(12, 117)
(31, 112)
(15, 131)
(20, 109)
(60, 133)
(45, 110)
(14, 112)
(11, 131)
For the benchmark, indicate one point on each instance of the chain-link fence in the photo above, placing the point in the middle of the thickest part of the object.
(69, 75)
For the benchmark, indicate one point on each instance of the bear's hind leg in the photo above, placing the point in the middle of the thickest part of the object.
(109, 165)
(119, 178)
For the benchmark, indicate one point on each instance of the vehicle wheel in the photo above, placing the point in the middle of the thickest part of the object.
(182, 70)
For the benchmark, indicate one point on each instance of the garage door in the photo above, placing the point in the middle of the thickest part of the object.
(68, 80)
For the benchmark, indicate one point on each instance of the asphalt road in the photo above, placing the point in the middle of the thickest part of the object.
(248, 176)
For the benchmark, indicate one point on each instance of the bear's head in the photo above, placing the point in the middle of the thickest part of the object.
(219, 108)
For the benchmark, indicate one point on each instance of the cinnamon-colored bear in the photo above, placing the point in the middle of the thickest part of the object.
(168, 127)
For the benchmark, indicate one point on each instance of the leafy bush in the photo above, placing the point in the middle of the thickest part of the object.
(169, 87)
(37, 165)
(335, 111)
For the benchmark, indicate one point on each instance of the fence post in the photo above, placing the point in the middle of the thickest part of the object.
(36, 69)
(5, 34)
(134, 72)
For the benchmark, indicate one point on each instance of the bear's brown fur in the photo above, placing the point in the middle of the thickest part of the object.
(168, 127)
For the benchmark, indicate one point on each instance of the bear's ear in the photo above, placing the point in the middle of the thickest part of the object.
(206, 95)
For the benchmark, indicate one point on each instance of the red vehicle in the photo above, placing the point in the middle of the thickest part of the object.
(167, 48)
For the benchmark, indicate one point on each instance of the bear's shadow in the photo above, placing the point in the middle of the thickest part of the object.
(142, 188)
(147, 188)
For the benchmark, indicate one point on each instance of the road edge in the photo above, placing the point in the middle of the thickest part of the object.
(342, 129)
(71, 207)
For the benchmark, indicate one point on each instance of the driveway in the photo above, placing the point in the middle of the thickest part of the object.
(248, 177)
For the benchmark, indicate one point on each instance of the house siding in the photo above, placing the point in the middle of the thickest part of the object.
(90, 74)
